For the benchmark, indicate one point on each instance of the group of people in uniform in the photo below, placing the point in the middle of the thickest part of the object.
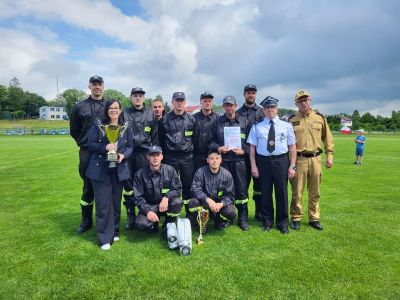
(170, 160)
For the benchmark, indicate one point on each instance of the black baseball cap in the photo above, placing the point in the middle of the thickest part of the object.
(206, 95)
(229, 100)
(178, 96)
(154, 149)
(137, 90)
(96, 78)
(250, 87)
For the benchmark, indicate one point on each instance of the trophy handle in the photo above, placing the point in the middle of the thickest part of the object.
(123, 128)
(101, 127)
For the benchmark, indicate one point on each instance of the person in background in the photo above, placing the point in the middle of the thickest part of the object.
(360, 144)
(158, 108)
(107, 180)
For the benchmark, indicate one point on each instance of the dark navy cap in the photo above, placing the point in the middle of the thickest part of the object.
(96, 78)
(206, 95)
(154, 149)
(213, 150)
(137, 90)
(229, 100)
(178, 96)
(269, 101)
(250, 87)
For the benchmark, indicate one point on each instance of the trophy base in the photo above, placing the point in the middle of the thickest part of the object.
(200, 241)
(113, 159)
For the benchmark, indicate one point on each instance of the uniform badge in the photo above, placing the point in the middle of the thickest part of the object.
(296, 123)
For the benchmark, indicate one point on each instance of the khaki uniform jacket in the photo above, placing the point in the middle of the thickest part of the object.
(311, 132)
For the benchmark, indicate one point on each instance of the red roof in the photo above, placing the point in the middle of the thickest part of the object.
(190, 109)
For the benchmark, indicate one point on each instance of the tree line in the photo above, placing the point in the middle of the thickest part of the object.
(15, 103)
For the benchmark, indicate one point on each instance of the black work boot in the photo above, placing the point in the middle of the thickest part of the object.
(242, 216)
(87, 220)
(131, 217)
(257, 214)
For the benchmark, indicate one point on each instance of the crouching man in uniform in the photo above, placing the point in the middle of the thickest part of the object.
(214, 190)
(157, 190)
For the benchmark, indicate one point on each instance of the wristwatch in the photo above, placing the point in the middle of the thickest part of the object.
(293, 167)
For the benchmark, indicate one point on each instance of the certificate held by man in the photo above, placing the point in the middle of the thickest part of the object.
(232, 138)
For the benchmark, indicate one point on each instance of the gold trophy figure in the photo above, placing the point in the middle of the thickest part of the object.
(112, 133)
(202, 219)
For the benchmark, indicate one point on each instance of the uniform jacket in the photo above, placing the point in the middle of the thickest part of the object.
(311, 131)
(202, 133)
(144, 127)
(219, 187)
(176, 133)
(82, 116)
(98, 165)
(150, 187)
(253, 114)
(217, 135)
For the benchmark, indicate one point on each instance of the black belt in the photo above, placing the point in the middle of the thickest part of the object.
(308, 155)
(273, 156)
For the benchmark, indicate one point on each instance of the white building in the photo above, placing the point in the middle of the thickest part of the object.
(345, 121)
(52, 113)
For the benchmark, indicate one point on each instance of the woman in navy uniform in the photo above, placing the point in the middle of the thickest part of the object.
(108, 180)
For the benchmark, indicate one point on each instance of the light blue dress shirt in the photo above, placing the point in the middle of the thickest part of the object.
(284, 136)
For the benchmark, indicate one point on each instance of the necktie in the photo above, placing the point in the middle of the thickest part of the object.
(271, 138)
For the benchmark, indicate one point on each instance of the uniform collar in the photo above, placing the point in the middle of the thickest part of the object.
(249, 107)
(234, 119)
(150, 172)
(140, 109)
(101, 101)
(174, 115)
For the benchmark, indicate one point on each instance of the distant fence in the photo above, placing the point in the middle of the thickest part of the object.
(34, 131)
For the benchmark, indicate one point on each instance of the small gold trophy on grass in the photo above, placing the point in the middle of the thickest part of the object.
(202, 219)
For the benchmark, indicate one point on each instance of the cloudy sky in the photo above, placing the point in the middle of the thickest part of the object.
(346, 53)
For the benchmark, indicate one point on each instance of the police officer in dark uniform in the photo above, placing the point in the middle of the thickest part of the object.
(82, 116)
(145, 134)
(202, 129)
(107, 179)
(270, 140)
(254, 113)
(176, 134)
(214, 190)
(157, 191)
(234, 159)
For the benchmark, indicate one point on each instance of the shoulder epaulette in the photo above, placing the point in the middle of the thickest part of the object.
(319, 114)
(291, 116)
(259, 121)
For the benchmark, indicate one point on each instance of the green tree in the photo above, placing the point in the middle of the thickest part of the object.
(114, 94)
(72, 96)
(367, 118)
(355, 118)
(32, 103)
(3, 100)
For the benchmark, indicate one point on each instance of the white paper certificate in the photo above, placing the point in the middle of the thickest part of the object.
(232, 137)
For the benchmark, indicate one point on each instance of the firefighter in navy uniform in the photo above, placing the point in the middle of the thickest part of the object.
(214, 190)
(202, 129)
(157, 191)
(145, 134)
(83, 115)
(234, 160)
(253, 113)
(176, 134)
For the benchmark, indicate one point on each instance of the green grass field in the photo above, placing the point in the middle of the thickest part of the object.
(356, 256)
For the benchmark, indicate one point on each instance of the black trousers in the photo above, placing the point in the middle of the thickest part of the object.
(274, 176)
(226, 213)
(238, 171)
(137, 161)
(174, 208)
(199, 161)
(256, 186)
(107, 195)
(87, 190)
(184, 166)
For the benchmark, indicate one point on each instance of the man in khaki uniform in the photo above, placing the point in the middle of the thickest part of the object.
(311, 130)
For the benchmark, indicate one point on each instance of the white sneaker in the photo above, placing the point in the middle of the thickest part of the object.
(116, 238)
(105, 247)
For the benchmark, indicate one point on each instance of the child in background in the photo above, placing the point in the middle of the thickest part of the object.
(360, 141)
